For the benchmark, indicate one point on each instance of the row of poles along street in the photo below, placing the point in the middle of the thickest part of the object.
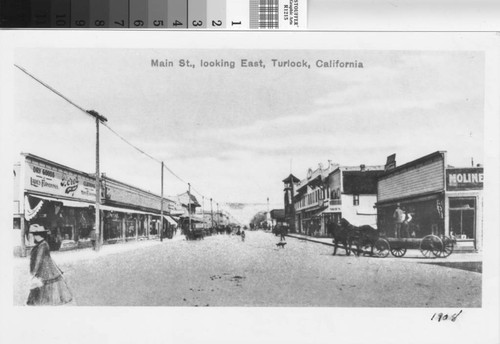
(100, 119)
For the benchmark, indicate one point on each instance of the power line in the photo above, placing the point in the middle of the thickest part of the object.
(89, 113)
(132, 145)
(174, 174)
(93, 114)
(53, 90)
(200, 194)
(197, 191)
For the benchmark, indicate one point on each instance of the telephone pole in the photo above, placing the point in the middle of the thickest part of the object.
(99, 232)
(268, 216)
(212, 212)
(218, 215)
(98, 119)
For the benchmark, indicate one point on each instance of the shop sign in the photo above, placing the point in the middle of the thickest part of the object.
(57, 182)
(176, 208)
(464, 179)
(335, 209)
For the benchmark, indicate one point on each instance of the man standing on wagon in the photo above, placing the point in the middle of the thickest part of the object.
(399, 217)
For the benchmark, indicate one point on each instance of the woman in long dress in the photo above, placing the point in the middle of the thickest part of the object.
(48, 284)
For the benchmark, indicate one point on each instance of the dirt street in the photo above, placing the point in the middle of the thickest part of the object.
(222, 270)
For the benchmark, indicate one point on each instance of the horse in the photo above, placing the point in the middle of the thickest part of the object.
(361, 235)
(341, 234)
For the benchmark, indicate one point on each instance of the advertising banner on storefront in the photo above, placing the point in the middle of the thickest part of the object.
(464, 179)
(43, 178)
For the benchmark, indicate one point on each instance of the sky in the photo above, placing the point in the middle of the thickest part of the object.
(235, 134)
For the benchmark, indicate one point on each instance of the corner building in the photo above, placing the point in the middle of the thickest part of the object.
(62, 199)
(441, 199)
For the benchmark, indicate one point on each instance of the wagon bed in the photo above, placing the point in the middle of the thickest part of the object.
(430, 246)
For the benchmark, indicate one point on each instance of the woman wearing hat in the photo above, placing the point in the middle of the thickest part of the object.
(48, 286)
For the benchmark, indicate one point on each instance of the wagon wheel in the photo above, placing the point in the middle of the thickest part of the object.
(431, 245)
(448, 244)
(381, 248)
(398, 252)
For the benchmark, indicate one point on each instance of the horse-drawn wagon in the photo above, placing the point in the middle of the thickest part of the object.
(380, 245)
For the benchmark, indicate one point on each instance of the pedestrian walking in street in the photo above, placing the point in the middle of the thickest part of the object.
(399, 217)
(282, 233)
(47, 285)
(242, 235)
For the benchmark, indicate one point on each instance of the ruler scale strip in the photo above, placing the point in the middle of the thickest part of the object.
(155, 14)
(119, 14)
(80, 14)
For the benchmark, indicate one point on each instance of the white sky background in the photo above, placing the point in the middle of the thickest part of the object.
(233, 132)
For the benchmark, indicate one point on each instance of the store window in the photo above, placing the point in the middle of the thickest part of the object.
(153, 227)
(141, 230)
(424, 219)
(130, 225)
(17, 223)
(112, 226)
(462, 217)
(355, 200)
(66, 232)
(85, 223)
(61, 222)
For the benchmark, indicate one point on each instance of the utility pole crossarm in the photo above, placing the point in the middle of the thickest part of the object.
(97, 116)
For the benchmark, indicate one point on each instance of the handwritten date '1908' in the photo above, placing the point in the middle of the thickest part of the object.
(443, 316)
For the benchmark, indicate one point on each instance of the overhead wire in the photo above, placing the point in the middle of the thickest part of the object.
(53, 90)
(106, 125)
(131, 144)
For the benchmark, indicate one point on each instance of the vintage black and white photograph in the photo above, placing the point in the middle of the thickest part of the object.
(290, 177)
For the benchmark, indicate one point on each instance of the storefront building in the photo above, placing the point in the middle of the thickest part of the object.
(131, 213)
(313, 209)
(188, 219)
(353, 193)
(335, 192)
(56, 197)
(440, 199)
(62, 200)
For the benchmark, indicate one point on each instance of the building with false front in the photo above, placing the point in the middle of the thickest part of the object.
(133, 213)
(189, 203)
(328, 194)
(62, 200)
(441, 199)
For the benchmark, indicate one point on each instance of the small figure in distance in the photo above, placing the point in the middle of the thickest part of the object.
(282, 233)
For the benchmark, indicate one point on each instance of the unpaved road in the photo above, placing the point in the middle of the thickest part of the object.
(224, 271)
